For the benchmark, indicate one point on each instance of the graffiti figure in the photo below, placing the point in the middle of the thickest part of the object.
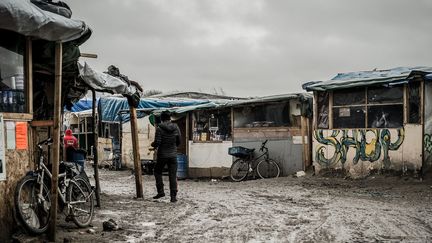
(364, 150)
(428, 142)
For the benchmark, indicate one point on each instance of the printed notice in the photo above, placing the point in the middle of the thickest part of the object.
(10, 135)
(21, 135)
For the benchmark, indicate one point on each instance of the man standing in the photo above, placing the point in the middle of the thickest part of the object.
(167, 138)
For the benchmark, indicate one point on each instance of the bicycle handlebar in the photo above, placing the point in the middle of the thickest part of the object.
(263, 145)
(45, 142)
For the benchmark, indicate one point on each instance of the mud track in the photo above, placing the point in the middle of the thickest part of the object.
(307, 209)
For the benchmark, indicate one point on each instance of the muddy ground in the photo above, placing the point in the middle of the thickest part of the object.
(287, 209)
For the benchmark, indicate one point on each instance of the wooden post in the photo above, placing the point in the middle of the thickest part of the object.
(135, 147)
(303, 133)
(95, 150)
(56, 139)
(29, 75)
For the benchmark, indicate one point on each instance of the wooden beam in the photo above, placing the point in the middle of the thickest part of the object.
(88, 55)
(305, 146)
(135, 147)
(95, 150)
(17, 116)
(29, 76)
(47, 123)
(56, 140)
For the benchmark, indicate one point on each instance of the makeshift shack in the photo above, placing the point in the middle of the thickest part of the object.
(214, 127)
(27, 75)
(373, 121)
(113, 112)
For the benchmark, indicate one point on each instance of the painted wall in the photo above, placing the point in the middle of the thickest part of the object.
(427, 136)
(209, 159)
(359, 151)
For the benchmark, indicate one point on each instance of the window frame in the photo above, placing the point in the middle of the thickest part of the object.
(27, 115)
(266, 104)
(366, 105)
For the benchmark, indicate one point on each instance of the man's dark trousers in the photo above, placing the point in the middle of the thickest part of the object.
(172, 172)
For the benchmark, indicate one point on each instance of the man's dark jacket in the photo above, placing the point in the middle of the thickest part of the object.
(167, 138)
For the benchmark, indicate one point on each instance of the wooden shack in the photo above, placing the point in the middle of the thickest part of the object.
(372, 121)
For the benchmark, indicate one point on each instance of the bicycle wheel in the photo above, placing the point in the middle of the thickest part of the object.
(32, 211)
(80, 197)
(239, 170)
(268, 168)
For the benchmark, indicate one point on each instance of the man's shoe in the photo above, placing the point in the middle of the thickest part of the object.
(159, 195)
(173, 199)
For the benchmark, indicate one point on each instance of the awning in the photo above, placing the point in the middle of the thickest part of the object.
(366, 78)
(25, 18)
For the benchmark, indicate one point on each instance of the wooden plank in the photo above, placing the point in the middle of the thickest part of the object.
(405, 104)
(186, 136)
(315, 110)
(95, 150)
(330, 112)
(18, 116)
(56, 140)
(29, 75)
(88, 55)
(304, 149)
(47, 123)
(309, 134)
(136, 155)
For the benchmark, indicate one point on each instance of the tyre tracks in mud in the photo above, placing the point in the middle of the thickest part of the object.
(278, 210)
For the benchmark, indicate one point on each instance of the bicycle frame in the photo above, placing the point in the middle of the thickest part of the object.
(265, 154)
(44, 169)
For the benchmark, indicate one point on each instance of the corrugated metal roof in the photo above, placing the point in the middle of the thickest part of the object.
(365, 78)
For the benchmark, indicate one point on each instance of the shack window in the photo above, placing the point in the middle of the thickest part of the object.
(211, 125)
(12, 96)
(383, 108)
(385, 116)
(348, 97)
(414, 102)
(383, 95)
(349, 117)
(323, 109)
(268, 115)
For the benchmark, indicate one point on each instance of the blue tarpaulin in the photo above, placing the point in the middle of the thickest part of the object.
(110, 107)
(83, 105)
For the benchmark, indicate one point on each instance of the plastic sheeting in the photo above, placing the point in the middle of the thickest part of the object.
(27, 19)
(103, 81)
(83, 105)
(109, 108)
(365, 78)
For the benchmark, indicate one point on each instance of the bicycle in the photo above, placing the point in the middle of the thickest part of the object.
(33, 197)
(246, 163)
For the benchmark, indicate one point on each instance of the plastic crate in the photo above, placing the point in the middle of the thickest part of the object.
(239, 151)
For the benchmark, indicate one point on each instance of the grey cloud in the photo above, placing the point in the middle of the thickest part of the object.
(168, 46)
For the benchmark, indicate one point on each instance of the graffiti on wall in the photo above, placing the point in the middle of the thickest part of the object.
(428, 142)
(378, 145)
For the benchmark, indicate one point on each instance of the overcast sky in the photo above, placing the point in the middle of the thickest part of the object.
(253, 47)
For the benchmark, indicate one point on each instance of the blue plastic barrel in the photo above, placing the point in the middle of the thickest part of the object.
(181, 166)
